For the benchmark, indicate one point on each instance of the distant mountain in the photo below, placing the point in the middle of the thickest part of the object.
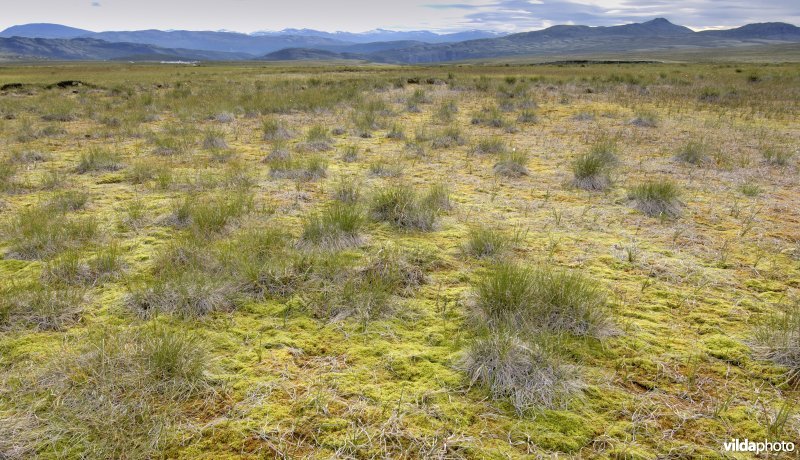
(305, 54)
(399, 47)
(383, 35)
(90, 49)
(564, 39)
(44, 30)
(219, 41)
(256, 44)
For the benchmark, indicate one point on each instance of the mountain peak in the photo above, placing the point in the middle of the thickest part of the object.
(657, 25)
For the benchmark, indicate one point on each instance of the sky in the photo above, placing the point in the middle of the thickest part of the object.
(362, 15)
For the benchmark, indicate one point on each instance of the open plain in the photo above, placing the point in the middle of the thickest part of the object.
(575, 260)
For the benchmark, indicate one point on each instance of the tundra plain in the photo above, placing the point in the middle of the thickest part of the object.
(574, 260)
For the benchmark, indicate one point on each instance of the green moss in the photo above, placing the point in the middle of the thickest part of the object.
(725, 348)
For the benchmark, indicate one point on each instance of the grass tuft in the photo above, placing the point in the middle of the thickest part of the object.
(214, 139)
(512, 164)
(99, 159)
(70, 269)
(210, 214)
(658, 198)
(317, 140)
(273, 129)
(402, 207)
(485, 242)
(694, 152)
(778, 340)
(337, 226)
(347, 190)
(591, 170)
(42, 232)
(776, 156)
(448, 138)
(188, 294)
(509, 296)
(490, 145)
(119, 393)
(306, 168)
(384, 168)
(530, 376)
(70, 200)
(42, 306)
(645, 119)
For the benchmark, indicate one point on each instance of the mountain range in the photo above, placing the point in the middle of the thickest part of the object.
(58, 42)
(258, 43)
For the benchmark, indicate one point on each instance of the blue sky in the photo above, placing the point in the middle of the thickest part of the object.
(361, 15)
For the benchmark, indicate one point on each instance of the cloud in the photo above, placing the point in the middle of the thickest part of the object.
(535, 14)
(360, 15)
